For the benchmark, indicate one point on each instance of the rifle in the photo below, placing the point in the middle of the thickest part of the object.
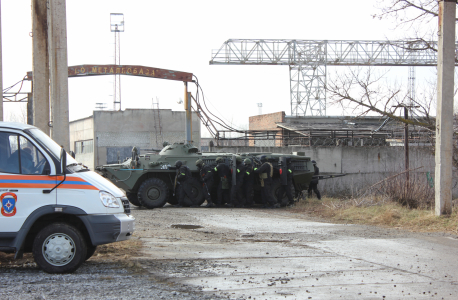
(329, 176)
(208, 192)
(175, 184)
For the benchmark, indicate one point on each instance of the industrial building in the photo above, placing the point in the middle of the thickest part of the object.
(279, 130)
(108, 136)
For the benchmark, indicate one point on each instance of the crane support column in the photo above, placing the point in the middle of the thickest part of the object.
(187, 107)
(444, 119)
(59, 73)
(40, 81)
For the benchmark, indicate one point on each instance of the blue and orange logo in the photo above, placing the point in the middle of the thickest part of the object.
(8, 204)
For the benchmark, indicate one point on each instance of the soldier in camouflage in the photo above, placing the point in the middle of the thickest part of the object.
(183, 176)
(287, 188)
(237, 197)
(224, 174)
(206, 177)
(248, 183)
(265, 172)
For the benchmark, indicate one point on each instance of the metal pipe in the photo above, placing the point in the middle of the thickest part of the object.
(187, 107)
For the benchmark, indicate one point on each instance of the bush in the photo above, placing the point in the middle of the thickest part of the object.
(413, 193)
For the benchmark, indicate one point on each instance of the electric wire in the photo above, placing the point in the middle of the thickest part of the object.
(5, 90)
(220, 122)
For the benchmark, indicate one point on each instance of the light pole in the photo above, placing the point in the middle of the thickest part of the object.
(117, 26)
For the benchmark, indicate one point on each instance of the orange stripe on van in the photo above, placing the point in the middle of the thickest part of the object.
(42, 181)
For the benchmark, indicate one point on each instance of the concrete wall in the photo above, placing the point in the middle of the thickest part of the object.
(364, 166)
(136, 127)
(82, 130)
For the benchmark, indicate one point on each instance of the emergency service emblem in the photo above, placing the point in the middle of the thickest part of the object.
(8, 204)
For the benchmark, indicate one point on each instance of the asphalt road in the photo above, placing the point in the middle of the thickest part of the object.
(274, 254)
(199, 253)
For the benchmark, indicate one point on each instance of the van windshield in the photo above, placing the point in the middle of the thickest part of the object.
(48, 143)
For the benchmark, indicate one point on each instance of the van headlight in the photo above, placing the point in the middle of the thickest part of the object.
(108, 200)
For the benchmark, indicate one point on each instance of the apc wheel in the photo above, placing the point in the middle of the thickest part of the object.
(276, 185)
(153, 193)
(172, 199)
(90, 251)
(196, 188)
(133, 198)
(59, 248)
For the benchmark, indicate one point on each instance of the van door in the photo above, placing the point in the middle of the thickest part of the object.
(24, 174)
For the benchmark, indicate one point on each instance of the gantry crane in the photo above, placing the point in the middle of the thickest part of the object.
(308, 61)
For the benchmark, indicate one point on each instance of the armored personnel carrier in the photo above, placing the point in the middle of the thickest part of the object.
(149, 179)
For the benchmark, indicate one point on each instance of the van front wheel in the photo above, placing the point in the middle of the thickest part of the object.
(59, 248)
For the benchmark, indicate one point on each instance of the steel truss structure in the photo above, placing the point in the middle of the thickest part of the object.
(308, 59)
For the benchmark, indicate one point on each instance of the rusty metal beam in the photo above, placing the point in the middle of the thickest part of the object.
(93, 70)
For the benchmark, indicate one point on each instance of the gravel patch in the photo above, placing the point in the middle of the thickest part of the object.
(93, 280)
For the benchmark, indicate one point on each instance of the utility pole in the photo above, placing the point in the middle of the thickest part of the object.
(444, 118)
(57, 33)
(406, 143)
(40, 68)
(406, 137)
(1, 67)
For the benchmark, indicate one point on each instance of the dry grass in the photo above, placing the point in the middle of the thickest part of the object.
(120, 252)
(378, 211)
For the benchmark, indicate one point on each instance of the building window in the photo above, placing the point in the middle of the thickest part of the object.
(82, 147)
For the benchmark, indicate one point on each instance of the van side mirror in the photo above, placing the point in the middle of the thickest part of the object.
(63, 166)
(63, 160)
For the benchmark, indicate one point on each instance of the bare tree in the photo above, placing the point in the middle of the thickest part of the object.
(408, 12)
(365, 91)
(419, 16)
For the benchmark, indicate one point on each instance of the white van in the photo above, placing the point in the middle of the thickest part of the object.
(52, 205)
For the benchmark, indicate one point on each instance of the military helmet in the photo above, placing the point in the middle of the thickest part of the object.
(238, 159)
(178, 163)
(247, 161)
(263, 158)
(199, 162)
(313, 162)
(219, 160)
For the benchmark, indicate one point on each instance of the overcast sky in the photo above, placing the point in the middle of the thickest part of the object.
(180, 35)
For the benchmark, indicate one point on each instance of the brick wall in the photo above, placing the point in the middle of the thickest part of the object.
(267, 122)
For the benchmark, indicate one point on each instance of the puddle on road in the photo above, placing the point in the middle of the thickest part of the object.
(247, 235)
(184, 226)
(266, 241)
